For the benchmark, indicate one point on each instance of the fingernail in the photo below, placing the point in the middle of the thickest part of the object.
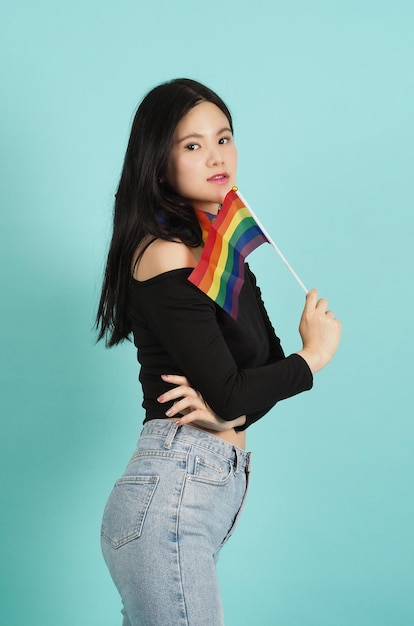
(169, 412)
(160, 398)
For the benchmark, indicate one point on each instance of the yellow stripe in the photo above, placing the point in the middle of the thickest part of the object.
(238, 217)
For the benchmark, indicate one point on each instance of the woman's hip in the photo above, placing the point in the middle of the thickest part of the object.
(167, 518)
(177, 474)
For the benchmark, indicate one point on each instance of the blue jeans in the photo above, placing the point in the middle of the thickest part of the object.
(166, 520)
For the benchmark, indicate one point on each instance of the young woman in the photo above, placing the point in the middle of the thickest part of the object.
(205, 376)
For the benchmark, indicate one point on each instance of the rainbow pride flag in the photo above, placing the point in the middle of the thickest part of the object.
(228, 238)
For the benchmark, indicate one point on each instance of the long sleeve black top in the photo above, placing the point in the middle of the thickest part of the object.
(239, 367)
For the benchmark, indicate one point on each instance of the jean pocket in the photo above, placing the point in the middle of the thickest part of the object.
(212, 470)
(127, 506)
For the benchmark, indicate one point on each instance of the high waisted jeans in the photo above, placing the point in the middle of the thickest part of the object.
(166, 520)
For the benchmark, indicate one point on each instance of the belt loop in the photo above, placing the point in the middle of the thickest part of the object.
(249, 462)
(237, 455)
(171, 434)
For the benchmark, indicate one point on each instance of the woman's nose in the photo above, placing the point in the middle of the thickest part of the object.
(215, 157)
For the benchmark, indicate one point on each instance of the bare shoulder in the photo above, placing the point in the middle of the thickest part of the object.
(163, 256)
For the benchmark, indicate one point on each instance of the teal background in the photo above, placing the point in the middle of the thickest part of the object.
(322, 95)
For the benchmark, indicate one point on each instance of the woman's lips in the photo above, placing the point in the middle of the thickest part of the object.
(219, 179)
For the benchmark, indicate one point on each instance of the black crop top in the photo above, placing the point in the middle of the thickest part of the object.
(238, 366)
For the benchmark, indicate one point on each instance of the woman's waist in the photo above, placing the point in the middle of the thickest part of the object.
(190, 437)
(156, 411)
(231, 436)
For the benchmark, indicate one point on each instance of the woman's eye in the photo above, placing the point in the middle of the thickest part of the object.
(192, 146)
(224, 140)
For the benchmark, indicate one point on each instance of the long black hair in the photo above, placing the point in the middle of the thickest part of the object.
(144, 203)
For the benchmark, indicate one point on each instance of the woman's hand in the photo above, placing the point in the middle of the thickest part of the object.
(192, 407)
(320, 332)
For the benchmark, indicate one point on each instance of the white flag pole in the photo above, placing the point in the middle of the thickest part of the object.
(270, 240)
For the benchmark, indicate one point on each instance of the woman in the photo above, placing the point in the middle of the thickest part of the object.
(182, 492)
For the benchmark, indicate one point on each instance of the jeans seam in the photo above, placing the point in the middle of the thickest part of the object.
(178, 546)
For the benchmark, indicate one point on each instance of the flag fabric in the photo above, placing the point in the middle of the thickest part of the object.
(228, 238)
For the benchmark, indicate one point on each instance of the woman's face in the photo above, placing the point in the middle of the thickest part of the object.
(203, 161)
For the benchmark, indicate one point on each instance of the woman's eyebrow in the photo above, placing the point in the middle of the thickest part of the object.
(190, 136)
(226, 129)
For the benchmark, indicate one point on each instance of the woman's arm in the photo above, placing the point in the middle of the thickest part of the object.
(192, 407)
(186, 324)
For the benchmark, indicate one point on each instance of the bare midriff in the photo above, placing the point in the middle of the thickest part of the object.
(232, 436)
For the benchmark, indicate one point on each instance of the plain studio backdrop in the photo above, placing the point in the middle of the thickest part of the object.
(322, 95)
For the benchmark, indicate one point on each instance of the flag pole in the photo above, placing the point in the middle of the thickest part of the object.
(270, 240)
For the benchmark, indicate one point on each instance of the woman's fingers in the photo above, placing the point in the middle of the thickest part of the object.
(311, 300)
(187, 399)
(322, 305)
(178, 392)
(312, 303)
(185, 405)
(193, 416)
(320, 331)
(176, 379)
(190, 407)
(182, 389)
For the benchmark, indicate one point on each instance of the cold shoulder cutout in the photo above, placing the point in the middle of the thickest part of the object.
(160, 256)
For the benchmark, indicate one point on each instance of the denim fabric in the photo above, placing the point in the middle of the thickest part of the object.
(166, 520)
